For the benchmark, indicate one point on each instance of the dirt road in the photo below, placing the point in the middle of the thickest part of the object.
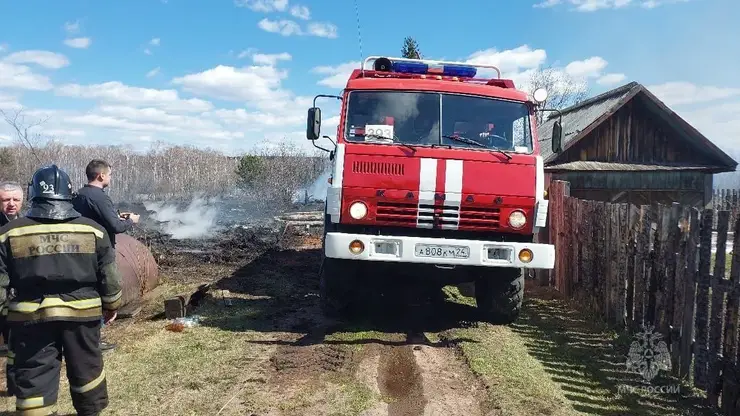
(264, 348)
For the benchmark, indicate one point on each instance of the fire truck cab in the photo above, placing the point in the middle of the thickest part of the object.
(438, 172)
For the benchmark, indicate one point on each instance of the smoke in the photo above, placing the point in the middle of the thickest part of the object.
(197, 220)
(317, 190)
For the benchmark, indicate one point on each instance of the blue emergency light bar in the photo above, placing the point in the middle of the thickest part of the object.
(422, 68)
(428, 67)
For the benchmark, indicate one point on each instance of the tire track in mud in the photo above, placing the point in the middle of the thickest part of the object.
(425, 380)
(399, 379)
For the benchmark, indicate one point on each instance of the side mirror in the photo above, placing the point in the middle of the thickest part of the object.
(313, 124)
(557, 137)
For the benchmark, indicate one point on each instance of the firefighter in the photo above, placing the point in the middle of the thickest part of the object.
(64, 274)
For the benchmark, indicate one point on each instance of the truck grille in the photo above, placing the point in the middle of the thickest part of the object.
(405, 214)
(378, 168)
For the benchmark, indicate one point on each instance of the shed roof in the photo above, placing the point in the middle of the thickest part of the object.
(580, 119)
(593, 166)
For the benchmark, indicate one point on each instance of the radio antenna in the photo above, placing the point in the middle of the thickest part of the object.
(359, 38)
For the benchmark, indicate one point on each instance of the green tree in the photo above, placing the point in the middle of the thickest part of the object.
(410, 48)
(249, 171)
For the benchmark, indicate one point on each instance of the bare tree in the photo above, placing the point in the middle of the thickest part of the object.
(21, 125)
(562, 90)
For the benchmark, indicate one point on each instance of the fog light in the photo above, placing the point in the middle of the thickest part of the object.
(526, 255)
(356, 247)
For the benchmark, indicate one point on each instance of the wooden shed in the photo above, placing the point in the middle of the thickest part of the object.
(625, 145)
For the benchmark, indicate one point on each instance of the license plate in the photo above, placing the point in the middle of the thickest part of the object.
(442, 251)
(498, 254)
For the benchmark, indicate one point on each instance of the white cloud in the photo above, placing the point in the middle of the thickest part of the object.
(264, 6)
(21, 77)
(252, 83)
(8, 101)
(594, 5)
(270, 59)
(323, 30)
(679, 93)
(78, 43)
(117, 92)
(301, 12)
(62, 133)
(337, 75)
(287, 27)
(46, 59)
(72, 27)
(153, 73)
(713, 110)
(511, 60)
(611, 79)
(147, 51)
(587, 68)
(155, 42)
(247, 52)
(3, 47)
(283, 27)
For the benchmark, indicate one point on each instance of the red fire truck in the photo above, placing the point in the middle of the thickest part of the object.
(437, 172)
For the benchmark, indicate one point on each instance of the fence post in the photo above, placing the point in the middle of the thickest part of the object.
(559, 190)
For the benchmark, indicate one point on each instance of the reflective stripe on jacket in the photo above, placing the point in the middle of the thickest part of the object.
(62, 270)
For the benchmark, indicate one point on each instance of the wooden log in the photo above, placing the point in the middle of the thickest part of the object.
(717, 309)
(687, 329)
(704, 280)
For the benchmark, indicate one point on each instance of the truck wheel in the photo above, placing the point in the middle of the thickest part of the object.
(500, 295)
(335, 287)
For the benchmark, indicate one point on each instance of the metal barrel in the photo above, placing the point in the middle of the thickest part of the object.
(139, 271)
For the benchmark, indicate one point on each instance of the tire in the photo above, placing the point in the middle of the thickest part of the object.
(500, 295)
(336, 287)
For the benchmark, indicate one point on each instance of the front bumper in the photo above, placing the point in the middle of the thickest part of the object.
(405, 250)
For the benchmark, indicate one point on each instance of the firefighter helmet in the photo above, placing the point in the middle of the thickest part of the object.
(50, 182)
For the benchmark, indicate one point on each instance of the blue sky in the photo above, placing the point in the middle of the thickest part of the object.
(232, 75)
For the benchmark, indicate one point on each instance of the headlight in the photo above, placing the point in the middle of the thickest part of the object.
(517, 219)
(358, 210)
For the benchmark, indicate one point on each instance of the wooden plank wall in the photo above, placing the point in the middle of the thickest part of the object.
(654, 265)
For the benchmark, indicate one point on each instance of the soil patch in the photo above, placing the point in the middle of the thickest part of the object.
(399, 379)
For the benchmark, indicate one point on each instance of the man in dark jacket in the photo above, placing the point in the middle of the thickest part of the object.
(92, 202)
(64, 273)
(11, 201)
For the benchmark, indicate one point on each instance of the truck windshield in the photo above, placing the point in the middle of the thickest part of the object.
(428, 118)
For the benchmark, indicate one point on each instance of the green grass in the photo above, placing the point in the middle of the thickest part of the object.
(557, 361)
(728, 263)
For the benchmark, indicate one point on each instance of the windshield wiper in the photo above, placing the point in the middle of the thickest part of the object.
(475, 143)
(394, 140)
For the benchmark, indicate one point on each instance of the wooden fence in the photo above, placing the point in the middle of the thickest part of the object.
(726, 200)
(652, 265)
